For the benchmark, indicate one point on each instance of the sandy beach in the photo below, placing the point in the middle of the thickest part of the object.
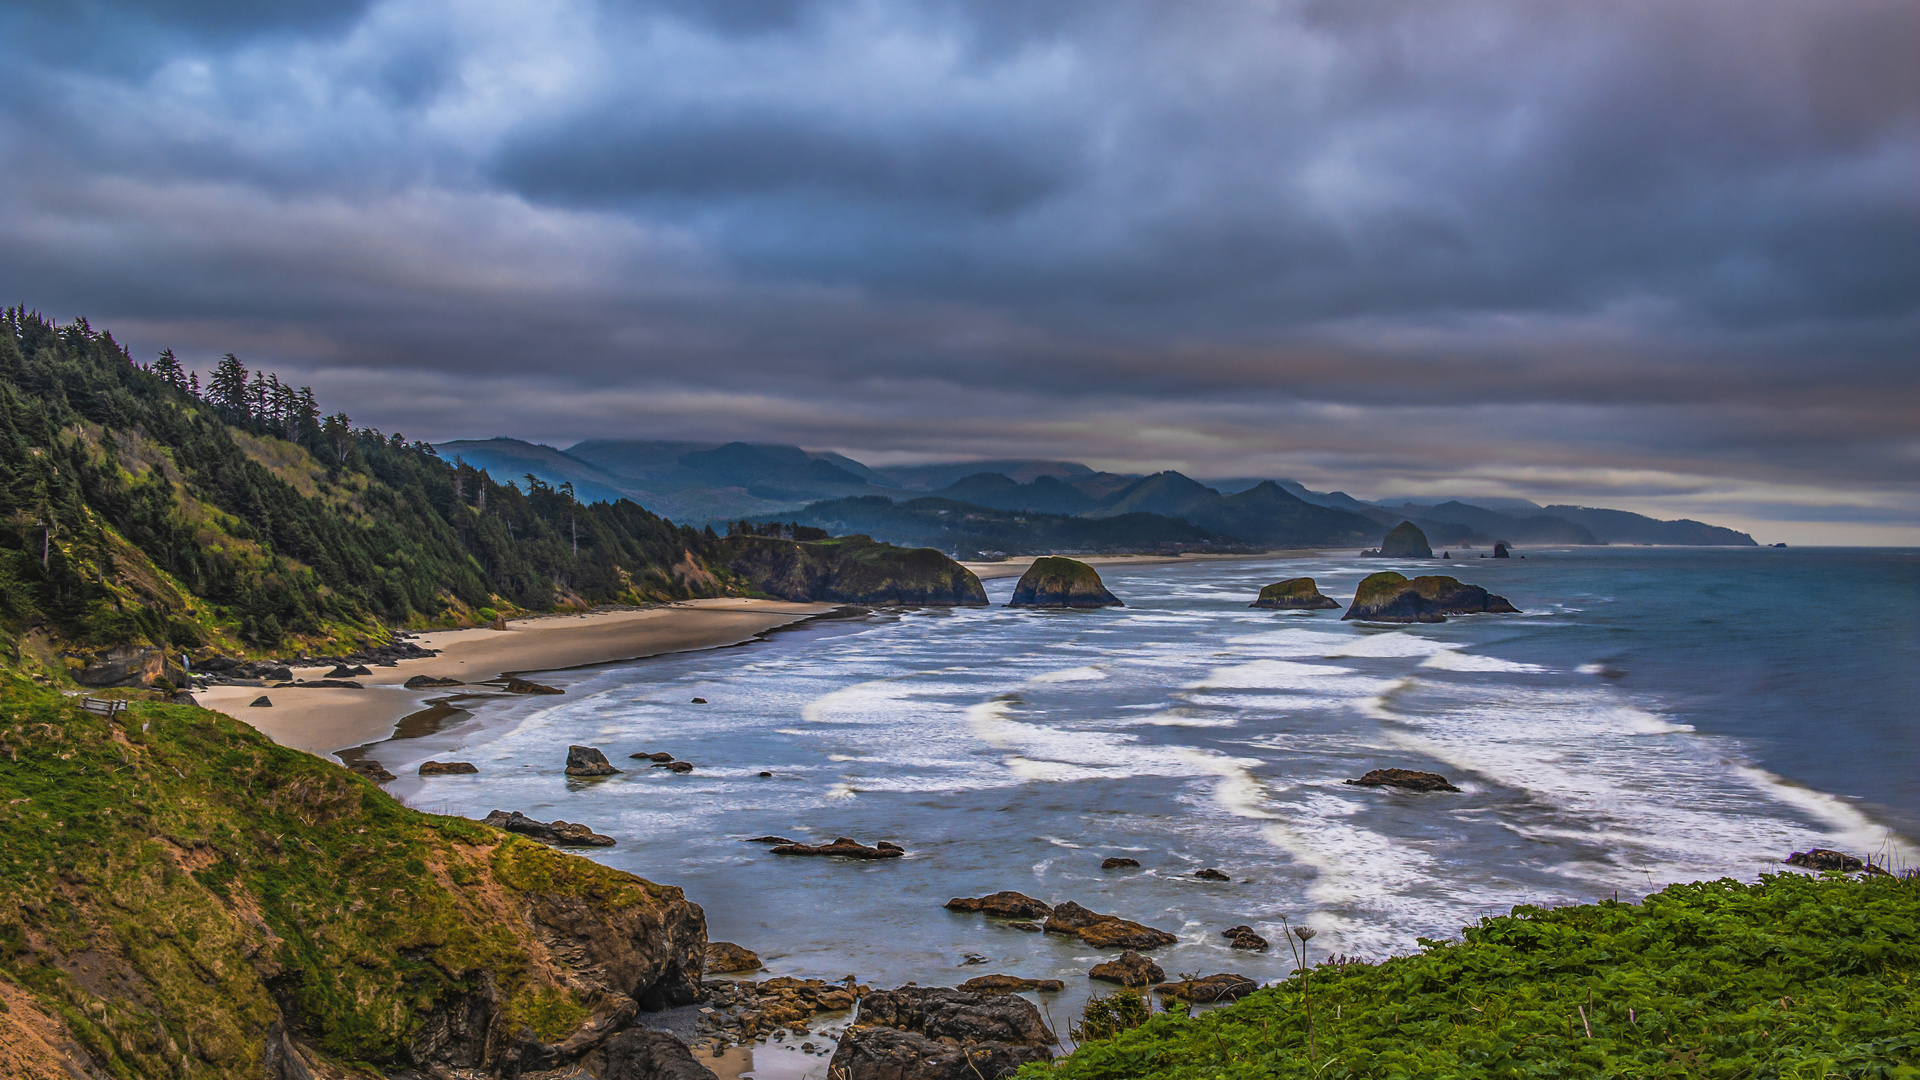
(1014, 567)
(323, 720)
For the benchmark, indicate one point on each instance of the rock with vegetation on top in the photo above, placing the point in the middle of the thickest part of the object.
(522, 686)
(1130, 969)
(851, 570)
(1210, 988)
(563, 833)
(447, 768)
(1011, 984)
(586, 761)
(933, 1033)
(422, 682)
(132, 665)
(1005, 904)
(1405, 541)
(1058, 582)
(845, 848)
(1391, 597)
(725, 958)
(1407, 779)
(1104, 931)
(1295, 594)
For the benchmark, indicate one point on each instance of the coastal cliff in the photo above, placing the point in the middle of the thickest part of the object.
(192, 900)
(851, 570)
(1391, 597)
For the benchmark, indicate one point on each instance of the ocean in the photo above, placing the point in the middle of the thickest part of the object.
(1654, 715)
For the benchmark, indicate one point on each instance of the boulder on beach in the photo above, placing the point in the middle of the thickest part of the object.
(1011, 984)
(1243, 937)
(372, 770)
(261, 702)
(564, 833)
(933, 1033)
(1119, 862)
(447, 768)
(340, 671)
(422, 682)
(1130, 969)
(1104, 931)
(1406, 779)
(1210, 988)
(1057, 582)
(1005, 904)
(1391, 597)
(522, 686)
(585, 761)
(725, 958)
(1210, 874)
(843, 847)
(1294, 594)
(1825, 859)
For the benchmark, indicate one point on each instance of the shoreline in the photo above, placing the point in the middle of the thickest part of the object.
(1017, 565)
(326, 720)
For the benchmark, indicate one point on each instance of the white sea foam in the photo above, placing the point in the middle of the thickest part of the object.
(1077, 674)
(1397, 644)
(1269, 675)
(1455, 660)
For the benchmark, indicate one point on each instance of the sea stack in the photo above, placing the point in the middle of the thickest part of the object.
(1406, 541)
(1055, 582)
(1391, 597)
(1294, 594)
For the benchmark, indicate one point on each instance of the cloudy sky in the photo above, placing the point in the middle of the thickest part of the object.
(1655, 254)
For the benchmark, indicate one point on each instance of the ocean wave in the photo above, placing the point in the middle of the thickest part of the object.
(1269, 675)
(1456, 660)
(1067, 675)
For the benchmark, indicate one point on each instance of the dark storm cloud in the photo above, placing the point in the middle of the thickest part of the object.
(1657, 251)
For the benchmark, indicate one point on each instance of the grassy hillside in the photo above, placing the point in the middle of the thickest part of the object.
(1790, 977)
(182, 892)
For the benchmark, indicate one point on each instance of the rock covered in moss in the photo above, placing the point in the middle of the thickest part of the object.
(1391, 597)
(852, 570)
(1294, 594)
(1825, 859)
(1058, 582)
(1405, 541)
(1210, 988)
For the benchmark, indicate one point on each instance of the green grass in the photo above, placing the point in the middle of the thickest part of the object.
(1792, 977)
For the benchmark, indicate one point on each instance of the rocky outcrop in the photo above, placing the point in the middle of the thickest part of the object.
(522, 686)
(1825, 859)
(1391, 597)
(1295, 594)
(1011, 984)
(844, 847)
(1118, 862)
(641, 1054)
(1210, 874)
(932, 1033)
(1005, 904)
(261, 702)
(1502, 551)
(1057, 582)
(1130, 969)
(1405, 541)
(726, 958)
(586, 761)
(1209, 988)
(447, 768)
(851, 570)
(424, 682)
(1104, 931)
(1405, 779)
(744, 1009)
(130, 665)
(1243, 937)
(562, 833)
(660, 756)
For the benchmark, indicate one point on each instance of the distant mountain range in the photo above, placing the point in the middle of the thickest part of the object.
(1024, 506)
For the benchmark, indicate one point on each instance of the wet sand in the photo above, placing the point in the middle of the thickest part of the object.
(327, 719)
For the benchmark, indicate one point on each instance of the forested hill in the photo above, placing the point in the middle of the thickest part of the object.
(139, 507)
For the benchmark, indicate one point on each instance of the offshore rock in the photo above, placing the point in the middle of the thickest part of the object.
(932, 1033)
(1104, 931)
(447, 768)
(643, 1054)
(726, 958)
(1119, 862)
(1010, 984)
(1210, 874)
(844, 847)
(562, 833)
(421, 682)
(1243, 937)
(1210, 988)
(587, 761)
(1391, 597)
(1408, 779)
(768, 840)
(1295, 594)
(1057, 582)
(1131, 969)
(852, 570)
(1406, 541)
(1005, 904)
(522, 686)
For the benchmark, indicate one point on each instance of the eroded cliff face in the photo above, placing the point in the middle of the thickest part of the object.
(192, 900)
(851, 570)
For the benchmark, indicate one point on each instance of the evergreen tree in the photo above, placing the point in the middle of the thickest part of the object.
(227, 389)
(169, 371)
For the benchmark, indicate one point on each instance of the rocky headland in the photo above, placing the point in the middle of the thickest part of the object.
(1295, 594)
(1059, 582)
(1391, 597)
(851, 570)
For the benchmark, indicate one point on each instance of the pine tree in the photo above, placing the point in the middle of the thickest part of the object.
(227, 389)
(169, 370)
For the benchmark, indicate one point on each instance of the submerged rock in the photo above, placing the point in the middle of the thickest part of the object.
(587, 761)
(1295, 594)
(768, 840)
(1391, 597)
(1210, 874)
(522, 686)
(1130, 969)
(1011, 984)
(844, 847)
(724, 957)
(563, 833)
(932, 1033)
(1057, 582)
(1409, 779)
(1119, 862)
(1104, 931)
(1210, 988)
(1005, 904)
(447, 768)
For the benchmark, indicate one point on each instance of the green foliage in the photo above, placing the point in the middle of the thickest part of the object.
(967, 530)
(1791, 977)
(1110, 1014)
(852, 569)
(132, 510)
